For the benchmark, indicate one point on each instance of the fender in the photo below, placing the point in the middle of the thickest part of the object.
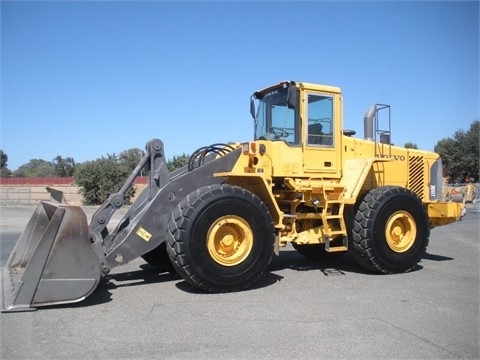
(355, 171)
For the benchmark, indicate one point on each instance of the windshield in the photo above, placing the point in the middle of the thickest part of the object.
(274, 119)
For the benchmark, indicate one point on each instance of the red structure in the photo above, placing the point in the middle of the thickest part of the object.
(52, 181)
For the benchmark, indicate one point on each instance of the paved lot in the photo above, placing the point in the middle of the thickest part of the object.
(302, 309)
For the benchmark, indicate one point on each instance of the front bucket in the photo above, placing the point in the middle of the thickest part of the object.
(53, 262)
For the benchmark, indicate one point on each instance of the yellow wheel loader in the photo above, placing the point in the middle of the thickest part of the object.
(218, 221)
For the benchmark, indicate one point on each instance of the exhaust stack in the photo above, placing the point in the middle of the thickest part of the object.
(368, 122)
(371, 124)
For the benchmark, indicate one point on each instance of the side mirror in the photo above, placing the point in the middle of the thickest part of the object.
(252, 106)
(292, 96)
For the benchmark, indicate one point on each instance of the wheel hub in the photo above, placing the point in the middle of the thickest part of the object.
(229, 240)
(401, 231)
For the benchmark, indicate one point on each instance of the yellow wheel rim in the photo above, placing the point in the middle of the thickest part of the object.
(229, 240)
(401, 231)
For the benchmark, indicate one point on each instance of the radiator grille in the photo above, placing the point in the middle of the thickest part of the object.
(416, 175)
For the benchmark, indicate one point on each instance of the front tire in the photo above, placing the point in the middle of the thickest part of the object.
(391, 230)
(221, 238)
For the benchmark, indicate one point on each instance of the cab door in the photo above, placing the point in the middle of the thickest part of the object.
(321, 133)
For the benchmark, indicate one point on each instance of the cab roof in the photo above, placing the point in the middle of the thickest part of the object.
(303, 86)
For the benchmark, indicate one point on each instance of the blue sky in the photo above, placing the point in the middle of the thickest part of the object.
(86, 79)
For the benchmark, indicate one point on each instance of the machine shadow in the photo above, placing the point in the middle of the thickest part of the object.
(434, 257)
(334, 264)
(328, 264)
(103, 293)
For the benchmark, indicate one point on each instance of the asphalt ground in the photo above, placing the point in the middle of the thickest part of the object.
(301, 309)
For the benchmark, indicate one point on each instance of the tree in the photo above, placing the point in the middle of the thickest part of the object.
(100, 178)
(63, 167)
(39, 168)
(3, 159)
(177, 162)
(460, 154)
(35, 168)
(410, 145)
(131, 158)
(4, 171)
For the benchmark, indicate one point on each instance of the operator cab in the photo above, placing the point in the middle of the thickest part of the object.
(277, 116)
(302, 115)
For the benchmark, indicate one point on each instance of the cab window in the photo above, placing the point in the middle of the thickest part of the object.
(320, 120)
(275, 119)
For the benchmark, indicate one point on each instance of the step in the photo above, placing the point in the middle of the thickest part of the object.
(336, 248)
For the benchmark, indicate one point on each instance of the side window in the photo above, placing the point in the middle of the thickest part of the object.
(320, 120)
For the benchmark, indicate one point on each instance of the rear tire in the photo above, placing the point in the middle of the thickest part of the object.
(391, 230)
(221, 238)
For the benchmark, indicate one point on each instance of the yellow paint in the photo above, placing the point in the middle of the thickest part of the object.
(443, 213)
(309, 183)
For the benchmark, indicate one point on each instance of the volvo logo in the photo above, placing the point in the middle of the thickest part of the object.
(394, 157)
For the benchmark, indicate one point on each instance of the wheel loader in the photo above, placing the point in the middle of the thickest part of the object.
(219, 220)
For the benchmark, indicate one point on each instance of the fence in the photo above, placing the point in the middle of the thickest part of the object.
(30, 191)
(65, 181)
(15, 196)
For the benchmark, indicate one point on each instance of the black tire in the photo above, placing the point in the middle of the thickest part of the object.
(391, 230)
(158, 258)
(221, 238)
(311, 251)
